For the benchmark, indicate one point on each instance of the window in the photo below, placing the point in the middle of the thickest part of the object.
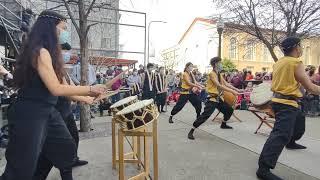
(105, 43)
(250, 68)
(266, 55)
(233, 48)
(106, 27)
(250, 50)
(307, 55)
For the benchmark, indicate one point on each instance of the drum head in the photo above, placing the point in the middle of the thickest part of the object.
(136, 106)
(261, 94)
(124, 101)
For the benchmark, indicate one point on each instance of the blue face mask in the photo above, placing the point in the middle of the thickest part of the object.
(219, 67)
(66, 56)
(64, 37)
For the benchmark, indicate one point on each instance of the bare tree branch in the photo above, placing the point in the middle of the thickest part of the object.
(90, 8)
(71, 16)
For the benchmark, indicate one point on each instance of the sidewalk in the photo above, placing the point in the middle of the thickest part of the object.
(214, 155)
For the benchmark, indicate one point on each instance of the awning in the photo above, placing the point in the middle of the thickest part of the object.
(105, 61)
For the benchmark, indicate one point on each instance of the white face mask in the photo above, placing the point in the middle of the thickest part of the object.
(135, 73)
(219, 67)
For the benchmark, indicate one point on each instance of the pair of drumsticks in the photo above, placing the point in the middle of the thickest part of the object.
(108, 84)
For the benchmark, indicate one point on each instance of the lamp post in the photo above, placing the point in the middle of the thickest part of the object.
(149, 38)
(220, 27)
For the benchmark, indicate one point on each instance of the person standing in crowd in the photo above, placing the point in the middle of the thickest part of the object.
(35, 126)
(249, 76)
(288, 75)
(134, 82)
(76, 73)
(171, 81)
(148, 89)
(188, 82)
(316, 77)
(100, 79)
(116, 85)
(161, 87)
(216, 84)
(141, 69)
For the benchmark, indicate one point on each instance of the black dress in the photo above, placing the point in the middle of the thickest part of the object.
(149, 92)
(35, 126)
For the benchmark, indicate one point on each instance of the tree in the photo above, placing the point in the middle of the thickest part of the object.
(82, 26)
(269, 21)
(228, 65)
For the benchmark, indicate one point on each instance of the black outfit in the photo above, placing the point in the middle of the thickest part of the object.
(182, 101)
(184, 98)
(35, 126)
(161, 86)
(289, 127)
(147, 91)
(44, 164)
(209, 108)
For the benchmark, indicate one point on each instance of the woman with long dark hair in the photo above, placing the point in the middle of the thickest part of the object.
(188, 82)
(34, 123)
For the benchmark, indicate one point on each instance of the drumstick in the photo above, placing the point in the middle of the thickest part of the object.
(112, 81)
(107, 95)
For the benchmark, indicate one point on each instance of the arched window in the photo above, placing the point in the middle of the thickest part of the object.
(250, 50)
(307, 55)
(233, 48)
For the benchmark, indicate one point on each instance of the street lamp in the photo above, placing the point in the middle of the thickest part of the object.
(220, 26)
(149, 38)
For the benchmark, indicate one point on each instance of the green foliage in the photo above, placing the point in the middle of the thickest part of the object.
(228, 65)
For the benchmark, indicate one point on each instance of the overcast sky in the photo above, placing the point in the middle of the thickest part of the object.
(178, 14)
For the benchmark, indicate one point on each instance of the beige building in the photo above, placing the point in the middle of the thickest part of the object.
(199, 43)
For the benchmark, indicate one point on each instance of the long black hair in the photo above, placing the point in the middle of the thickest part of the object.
(43, 35)
(187, 65)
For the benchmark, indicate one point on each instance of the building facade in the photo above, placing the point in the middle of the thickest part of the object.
(103, 38)
(200, 43)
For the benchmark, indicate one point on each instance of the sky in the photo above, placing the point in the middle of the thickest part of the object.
(178, 14)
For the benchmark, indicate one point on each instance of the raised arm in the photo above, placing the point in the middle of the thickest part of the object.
(49, 77)
(215, 80)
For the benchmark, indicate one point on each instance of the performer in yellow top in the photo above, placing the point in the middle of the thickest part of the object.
(215, 87)
(188, 82)
(288, 76)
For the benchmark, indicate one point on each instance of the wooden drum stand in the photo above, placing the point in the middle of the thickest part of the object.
(136, 135)
(136, 152)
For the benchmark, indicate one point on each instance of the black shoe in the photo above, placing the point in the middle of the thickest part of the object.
(170, 119)
(265, 174)
(80, 163)
(190, 134)
(294, 145)
(225, 126)
(163, 111)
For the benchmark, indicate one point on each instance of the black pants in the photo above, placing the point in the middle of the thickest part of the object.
(34, 129)
(161, 100)
(289, 126)
(209, 108)
(45, 165)
(105, 105)
(148, 95)
(182, 101)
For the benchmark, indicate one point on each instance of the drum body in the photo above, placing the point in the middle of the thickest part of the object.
(138, 115)
(230, 98)
(118, 106)
(261, 98)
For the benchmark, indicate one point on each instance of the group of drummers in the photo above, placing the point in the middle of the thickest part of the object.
(289, 84)
(40, 139)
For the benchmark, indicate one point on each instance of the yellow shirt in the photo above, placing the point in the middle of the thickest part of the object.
(184, 85)
(211, 87)
(283, 80)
